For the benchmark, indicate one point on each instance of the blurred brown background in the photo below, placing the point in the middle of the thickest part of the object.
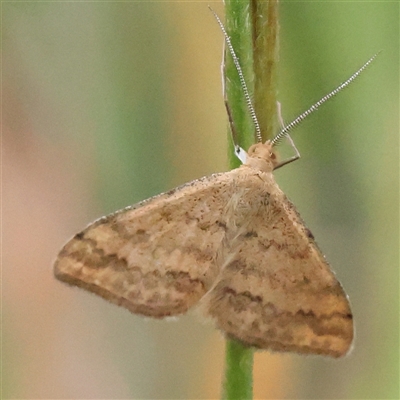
(105, 104)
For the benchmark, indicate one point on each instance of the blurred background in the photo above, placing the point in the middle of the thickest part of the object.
(108, 103)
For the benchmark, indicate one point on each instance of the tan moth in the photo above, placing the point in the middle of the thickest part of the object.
(231, 241)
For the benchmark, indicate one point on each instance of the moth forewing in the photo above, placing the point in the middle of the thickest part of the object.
(155, 258)
(276, 291)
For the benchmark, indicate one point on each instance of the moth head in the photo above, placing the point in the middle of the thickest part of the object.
(262, 157)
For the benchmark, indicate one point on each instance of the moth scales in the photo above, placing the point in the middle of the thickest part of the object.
(231, 241)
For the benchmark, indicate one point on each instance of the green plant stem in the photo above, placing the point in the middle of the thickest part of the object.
(253, 28)
(238, 371)
(265, 60)
(237, 23)
(238, 379)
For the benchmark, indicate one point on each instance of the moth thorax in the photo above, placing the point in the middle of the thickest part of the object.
(262, 157)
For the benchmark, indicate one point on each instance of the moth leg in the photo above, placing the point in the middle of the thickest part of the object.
(297, 155)
(239, 152)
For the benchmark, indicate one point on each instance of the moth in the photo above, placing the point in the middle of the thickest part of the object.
(232, 242)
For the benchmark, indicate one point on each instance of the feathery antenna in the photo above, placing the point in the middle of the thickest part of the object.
(285, 130)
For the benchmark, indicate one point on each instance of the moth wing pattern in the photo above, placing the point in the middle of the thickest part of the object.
(155, 258)
(233, 241)
(276, 291)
